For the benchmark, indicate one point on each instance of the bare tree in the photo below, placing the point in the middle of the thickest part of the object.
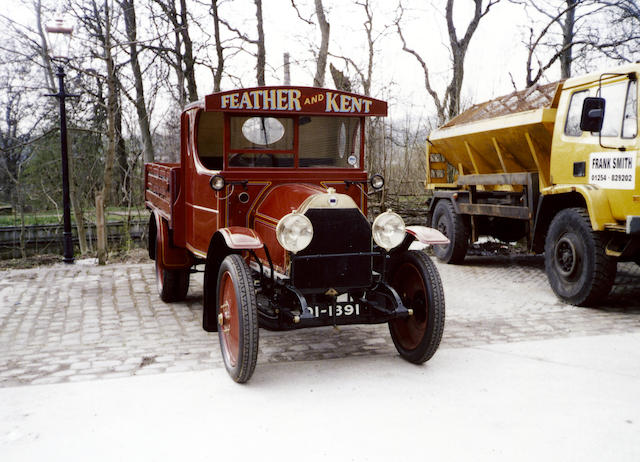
(260, 67)
(322, 54)
(130, 22)
(16, 134)
(573, 30)
(31, 47)
(180, 55)
(448, 106)
(561, 16)
(217, 75)
(259, 42)
(365, 71)
(622, 41)
(321, 63)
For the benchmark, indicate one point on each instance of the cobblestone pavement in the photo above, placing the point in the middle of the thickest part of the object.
(83, 322)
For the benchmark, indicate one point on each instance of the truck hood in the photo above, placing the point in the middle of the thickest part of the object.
(284, 199)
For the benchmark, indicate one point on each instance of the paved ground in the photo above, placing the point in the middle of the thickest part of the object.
(83, 322)
(569, 399)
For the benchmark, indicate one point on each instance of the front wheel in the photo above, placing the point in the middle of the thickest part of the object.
(237, 313)
(418, 283)
(579, 270)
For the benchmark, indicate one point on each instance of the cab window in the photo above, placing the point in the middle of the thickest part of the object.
(209, 139)
(630, 118)
(260, 141)
(572, 126)
(329, 142)
(614, 95)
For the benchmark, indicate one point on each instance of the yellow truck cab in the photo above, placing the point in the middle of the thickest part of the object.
(556, 164)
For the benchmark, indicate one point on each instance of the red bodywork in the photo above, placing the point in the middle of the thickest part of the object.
(191, 211)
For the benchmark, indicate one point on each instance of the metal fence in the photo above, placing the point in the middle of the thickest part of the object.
(40, 239)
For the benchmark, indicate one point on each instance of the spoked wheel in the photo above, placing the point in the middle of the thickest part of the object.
(579, 270)
(418, 283)
(237, 314)
(173, 284)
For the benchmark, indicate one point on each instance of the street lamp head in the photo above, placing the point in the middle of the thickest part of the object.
(59, 38)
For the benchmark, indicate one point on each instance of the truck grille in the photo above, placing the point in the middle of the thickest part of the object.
(339, 255)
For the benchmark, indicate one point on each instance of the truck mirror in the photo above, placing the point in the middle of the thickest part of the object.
(592, 114)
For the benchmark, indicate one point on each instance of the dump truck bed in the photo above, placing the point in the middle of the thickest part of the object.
(491, 138)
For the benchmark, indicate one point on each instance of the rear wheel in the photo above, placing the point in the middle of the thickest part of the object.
(448, 222)
(578, 268)
(418, 283)
(237, 315)
(173, 284)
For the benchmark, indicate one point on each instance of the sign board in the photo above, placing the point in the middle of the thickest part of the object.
(297, 100)
(613, 170)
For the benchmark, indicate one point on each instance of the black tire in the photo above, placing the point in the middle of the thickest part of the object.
(416, 279)
(237, 314)
(448, 222)
(578, 268)
(173, 284)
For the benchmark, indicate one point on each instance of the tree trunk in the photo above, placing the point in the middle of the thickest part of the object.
(129, 11)
(23, 227)
(189, 61)
(340, 80)
(111, 123)
(217, 76)
(566, 57)
(101, 230)
(260, 68)
(321, 64)
(122, 180)
(449, 106)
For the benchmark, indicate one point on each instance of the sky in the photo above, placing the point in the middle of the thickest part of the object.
(495, 52)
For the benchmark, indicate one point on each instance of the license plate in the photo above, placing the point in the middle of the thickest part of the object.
(339, 309)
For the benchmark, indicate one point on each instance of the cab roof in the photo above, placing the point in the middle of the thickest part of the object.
(276, 100)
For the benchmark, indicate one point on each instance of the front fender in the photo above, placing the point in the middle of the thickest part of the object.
(420, 234)
(241, 238)
(426, 235)
(595, 198)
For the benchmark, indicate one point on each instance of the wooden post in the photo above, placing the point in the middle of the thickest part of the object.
(101, 232)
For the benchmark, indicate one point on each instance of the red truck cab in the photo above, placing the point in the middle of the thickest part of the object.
(270, 195)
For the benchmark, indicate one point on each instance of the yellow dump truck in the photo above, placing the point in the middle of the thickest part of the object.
(556, 164)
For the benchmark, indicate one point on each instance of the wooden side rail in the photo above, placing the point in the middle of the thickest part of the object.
(161, 188)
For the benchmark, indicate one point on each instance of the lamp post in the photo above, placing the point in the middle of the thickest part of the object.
(59, 35)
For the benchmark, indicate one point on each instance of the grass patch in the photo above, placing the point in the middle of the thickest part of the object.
(112, 214)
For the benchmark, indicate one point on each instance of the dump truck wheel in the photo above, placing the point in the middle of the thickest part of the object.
(173, 284)
(448, 222)
(418, 283)
(237, 313)
(578, 268)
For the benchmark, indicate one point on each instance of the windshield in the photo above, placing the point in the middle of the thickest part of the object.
(270, 142)
(329, 142)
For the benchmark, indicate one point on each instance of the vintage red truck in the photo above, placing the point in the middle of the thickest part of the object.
(270, 197)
